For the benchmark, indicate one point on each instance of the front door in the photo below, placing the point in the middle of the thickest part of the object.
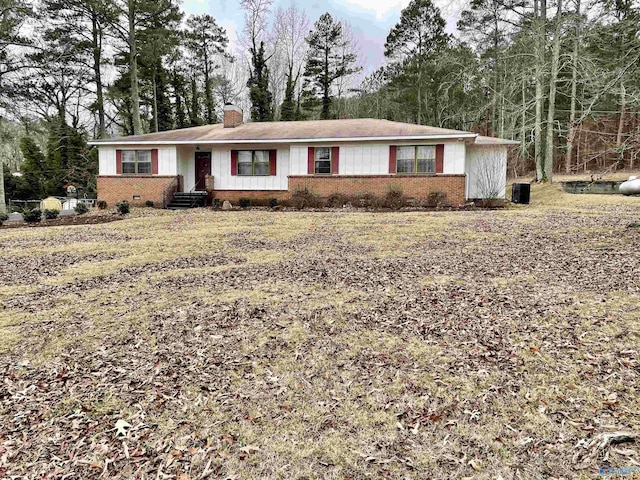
(203, 168)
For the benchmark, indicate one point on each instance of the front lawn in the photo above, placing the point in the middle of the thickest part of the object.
(265, 345)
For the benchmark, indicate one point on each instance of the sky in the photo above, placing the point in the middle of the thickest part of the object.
(371, 20)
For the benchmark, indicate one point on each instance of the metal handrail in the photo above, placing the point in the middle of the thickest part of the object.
(173, 188)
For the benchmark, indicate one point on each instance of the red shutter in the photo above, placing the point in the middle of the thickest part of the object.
(311, 160)
(234, 162)
(272, 161)
(335, 160)
(392, 159)
(119, 162)
(439, 158)
(154, 161)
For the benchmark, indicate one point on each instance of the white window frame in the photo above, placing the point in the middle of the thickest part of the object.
(255, 161)
(136, 162)
(317, 160)
(416, 160)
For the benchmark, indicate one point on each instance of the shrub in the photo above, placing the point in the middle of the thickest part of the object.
(245, 202)
(394, 197)
(273, 202)
(33, 215)
(149, 203)
(81, 209)
(102, 204)
(3, 217)
(51, 213)
(217, 203)
(123, 207)
(437, 199)
(303, 198)
(337, 200)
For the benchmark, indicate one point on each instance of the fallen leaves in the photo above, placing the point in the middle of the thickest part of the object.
(486, 348)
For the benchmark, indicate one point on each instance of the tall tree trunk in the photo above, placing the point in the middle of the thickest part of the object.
(133, 66)
(523, 120)
(574, 85)
(419, 93)
(621, 119)
(97, 60)
(3, 206)
(155, 101)
(540, 33)
(551, 108)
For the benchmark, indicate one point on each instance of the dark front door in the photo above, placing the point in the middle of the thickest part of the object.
(203, 168)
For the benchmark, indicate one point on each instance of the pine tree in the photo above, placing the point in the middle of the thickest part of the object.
(414, 41)
(208, 41)
(261, 98)
(328, 59)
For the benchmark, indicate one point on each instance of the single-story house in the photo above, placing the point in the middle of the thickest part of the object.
(232, 160)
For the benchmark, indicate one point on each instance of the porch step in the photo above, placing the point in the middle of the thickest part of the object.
(184, 200)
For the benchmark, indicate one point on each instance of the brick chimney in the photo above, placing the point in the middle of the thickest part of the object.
(232, 116)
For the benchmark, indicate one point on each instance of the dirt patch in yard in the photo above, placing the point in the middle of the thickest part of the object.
(329, 345)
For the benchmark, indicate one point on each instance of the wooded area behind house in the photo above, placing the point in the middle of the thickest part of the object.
(559, 76)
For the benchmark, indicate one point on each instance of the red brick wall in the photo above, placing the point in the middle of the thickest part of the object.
(234, 196)
(113, 188)
(416, 186)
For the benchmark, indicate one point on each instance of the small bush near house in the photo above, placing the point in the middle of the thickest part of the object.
(51, 213)
(337, 200)
(437, 199)
(102, 204)
(273, 202)
(303, 198)
(245, 202)
(149, 203)
(33, 215)
(81, 209)
(217, 203)
(123, 207)
(3, 218)
(395, 197)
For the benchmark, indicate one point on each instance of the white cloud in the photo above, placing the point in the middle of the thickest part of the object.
(381, 8)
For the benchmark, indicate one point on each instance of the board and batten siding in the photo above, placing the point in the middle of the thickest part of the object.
(486, 167)
(454, 158)
(223, 180)
(167, 159)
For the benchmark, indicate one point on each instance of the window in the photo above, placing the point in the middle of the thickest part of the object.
(253, 162)
(136, 162)
(416, 159)
(323, 160)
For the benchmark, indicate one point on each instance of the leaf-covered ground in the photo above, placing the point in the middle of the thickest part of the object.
(255, 345)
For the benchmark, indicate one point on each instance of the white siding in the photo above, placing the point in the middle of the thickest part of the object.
(454, 158)
(486, 168)
(364, 159)
(298, 160)
(106, 161)
(223, 180)
(167, 161)
(186, 166)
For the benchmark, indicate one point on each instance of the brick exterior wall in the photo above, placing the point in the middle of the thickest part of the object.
(232, 116)
(113, 188)
(416, 186)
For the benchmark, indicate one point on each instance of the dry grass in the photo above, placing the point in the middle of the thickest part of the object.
(255, 345)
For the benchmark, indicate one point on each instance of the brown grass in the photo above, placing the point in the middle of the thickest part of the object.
(257, 345)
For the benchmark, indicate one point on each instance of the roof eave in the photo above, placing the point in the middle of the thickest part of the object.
(124, 141)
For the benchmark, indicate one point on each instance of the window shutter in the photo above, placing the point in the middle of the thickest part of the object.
(311, 161)
(335, 160)
(272, 161)
(392, 159)
(119, 162)
(234, 162)
(154, 161)
(440, 158)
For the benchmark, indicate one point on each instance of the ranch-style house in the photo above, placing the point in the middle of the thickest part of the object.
(234, 160)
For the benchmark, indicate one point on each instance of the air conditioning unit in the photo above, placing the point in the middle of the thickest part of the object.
(520, 192)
